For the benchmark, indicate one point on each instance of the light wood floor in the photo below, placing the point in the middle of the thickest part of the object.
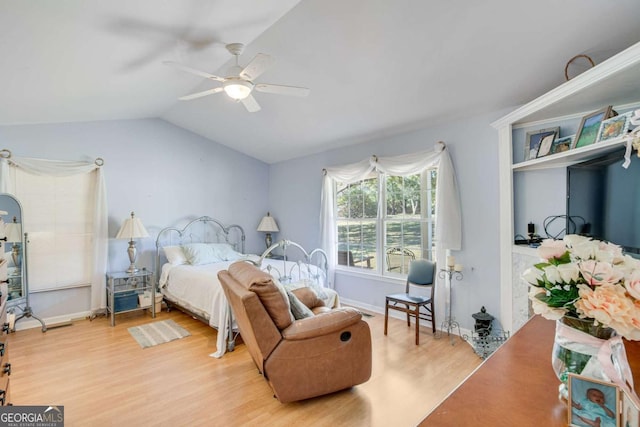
(103, 378)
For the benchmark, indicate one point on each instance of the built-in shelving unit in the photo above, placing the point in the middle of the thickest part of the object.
(571, 157)
(614, 82)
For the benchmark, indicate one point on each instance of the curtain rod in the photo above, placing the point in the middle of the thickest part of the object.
(6, 154)
(375, 158)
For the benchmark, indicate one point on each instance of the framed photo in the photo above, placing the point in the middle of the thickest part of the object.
(563, 144)
(590, 400)
(630, 412)
(587, 132)
(614, 127)
(545, 145)
(534, 140)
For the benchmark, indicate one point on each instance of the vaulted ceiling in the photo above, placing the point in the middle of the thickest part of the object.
(373, 66)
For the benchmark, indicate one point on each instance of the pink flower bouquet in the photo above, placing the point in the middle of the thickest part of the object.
(589, 279)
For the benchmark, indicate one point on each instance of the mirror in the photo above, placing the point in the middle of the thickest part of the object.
(14, 245)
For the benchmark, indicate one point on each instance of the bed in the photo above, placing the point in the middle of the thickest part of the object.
(188, 261)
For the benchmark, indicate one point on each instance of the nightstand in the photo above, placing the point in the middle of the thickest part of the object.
(125, 289)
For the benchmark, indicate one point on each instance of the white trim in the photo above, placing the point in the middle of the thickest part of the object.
(29, 323)
(370, 274)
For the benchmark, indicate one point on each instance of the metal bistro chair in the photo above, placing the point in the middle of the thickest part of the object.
(422, 273)
(399, 259)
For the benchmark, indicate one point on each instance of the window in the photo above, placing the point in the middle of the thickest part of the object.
(386, 240)
(59, 218)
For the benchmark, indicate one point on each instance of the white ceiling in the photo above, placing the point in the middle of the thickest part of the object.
(373, 66)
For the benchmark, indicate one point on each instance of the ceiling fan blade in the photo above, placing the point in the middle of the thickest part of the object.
(282, 90)
(200, 94)
(250, 104)
(257, 66)
(193, 71)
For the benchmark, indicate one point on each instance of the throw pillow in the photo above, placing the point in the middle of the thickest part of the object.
(298, 309)
(199, 254)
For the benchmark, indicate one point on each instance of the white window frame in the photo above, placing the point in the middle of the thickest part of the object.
(427, 224)
(448, 232)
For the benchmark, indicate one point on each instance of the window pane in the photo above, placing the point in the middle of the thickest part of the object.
(357, 207)
(408, 225)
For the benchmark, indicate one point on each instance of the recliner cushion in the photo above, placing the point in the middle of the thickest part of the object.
(273, 298)
(307, 296)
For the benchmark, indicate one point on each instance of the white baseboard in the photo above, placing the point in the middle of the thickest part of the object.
(50, 322)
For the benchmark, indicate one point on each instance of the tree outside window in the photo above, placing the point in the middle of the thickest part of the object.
(386, 241)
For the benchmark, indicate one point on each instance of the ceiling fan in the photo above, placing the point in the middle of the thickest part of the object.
(239, 83)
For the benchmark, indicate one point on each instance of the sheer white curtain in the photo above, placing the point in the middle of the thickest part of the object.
(99, 232)
(346, 174)
(448, 233)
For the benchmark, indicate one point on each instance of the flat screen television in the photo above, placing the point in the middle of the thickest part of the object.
(603, 200)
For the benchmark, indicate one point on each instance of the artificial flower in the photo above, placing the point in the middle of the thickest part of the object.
(585, 278)
(550, 248)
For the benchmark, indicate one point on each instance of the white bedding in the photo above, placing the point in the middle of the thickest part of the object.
(197, 288)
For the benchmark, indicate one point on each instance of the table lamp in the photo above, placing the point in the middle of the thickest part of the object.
(132, 228)
(268, 225)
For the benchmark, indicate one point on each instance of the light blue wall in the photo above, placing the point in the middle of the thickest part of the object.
(295, 202)
(168, 176)
(165, 174)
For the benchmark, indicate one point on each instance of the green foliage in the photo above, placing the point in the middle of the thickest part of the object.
(559, 297)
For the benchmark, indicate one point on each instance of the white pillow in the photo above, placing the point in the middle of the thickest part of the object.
(175, 255)
(200, 253)
(225, 252)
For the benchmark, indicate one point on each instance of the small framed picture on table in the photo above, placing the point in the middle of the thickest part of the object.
(587, 133)
(534, 139)
(592, 402)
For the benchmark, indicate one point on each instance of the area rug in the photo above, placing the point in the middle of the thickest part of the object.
(156, 333)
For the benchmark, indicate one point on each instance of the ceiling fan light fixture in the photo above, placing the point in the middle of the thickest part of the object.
(237, 89)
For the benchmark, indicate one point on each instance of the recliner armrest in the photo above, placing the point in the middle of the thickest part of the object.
(322, 324)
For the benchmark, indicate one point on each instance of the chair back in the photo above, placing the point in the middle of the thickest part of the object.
(422, 272)
(345, 258)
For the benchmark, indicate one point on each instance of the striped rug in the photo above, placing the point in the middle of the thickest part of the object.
(157, 333)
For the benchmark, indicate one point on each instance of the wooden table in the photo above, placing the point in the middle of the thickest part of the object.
(516, 386)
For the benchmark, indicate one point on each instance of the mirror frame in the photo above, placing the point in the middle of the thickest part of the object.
(8, 218)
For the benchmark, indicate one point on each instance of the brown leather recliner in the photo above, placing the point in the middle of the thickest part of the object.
(300, 359)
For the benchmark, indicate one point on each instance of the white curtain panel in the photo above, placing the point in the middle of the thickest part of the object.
(448, 235)
(62, 198)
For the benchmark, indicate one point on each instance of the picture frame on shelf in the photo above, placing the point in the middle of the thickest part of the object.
(587, 133)
(534, 139)
(545, 145)
(590, 399)
(614, 127)
(563, 144)
(630, 416)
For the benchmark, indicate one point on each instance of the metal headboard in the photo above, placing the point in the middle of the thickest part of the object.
(302, 262)
(201, 230)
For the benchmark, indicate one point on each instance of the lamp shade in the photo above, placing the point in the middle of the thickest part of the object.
(268, 224)
(132, 228)
(13, 231)
(237, 88)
